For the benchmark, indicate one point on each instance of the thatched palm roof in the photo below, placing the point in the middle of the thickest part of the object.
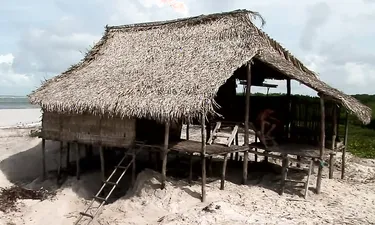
(172, 69)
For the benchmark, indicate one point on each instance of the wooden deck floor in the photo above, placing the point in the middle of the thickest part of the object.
(303, 150)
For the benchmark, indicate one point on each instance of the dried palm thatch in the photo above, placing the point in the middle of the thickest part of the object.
(172, 69)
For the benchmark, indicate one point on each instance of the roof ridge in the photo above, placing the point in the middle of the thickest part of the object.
(180, 20)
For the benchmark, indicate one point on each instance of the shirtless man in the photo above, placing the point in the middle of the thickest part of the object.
(265, 119)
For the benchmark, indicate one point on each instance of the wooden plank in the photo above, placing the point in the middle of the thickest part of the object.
(247, 117)
(102, 163)
(165, 155)
(217, 127)
(345, 146)
(44, 172)
(233, 135)
(223, 172)
(322, 145)
(203, 157)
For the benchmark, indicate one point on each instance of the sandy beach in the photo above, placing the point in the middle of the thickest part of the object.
(349, 201)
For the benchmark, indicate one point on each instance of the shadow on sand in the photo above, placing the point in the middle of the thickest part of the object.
(25, 169)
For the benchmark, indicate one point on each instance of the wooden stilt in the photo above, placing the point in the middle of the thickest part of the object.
(284, 173)
(102, 163)
(311, 166)
(210, 166)
(191, 169)
(288, 94)
(231, 156)
(237, 158)
(247, 115)
(60, 161)
(67, 155)
(187, 129)
(223, 172)
(78, 159)
(203, 157)
(133, 166)
(322, 145)
(331, 164)
(44, 172)
(165, 155)
(345, 146)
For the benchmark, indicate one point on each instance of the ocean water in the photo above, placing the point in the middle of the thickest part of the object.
(15, 102)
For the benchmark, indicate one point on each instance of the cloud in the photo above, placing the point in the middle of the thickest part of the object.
(317, 15)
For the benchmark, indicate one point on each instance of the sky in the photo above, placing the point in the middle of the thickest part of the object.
(42, 38)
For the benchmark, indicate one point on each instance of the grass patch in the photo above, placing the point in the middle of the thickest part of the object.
(361, 141)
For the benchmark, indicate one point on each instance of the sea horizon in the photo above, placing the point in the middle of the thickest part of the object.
(15, 102)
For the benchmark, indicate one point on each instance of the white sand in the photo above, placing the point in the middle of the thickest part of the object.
(350, 201)
(19, 117)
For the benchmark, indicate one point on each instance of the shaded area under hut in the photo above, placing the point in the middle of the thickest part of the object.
(140, 83)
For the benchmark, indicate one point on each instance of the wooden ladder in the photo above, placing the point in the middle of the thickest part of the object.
(216, 133)
(91, 210)
(284, 174)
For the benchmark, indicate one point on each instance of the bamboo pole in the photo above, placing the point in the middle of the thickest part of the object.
(333, 146)
(345, 145)
(247, 115)
(322, 145)
(223, 172)
(44, 172)
(165, 155)
(203, 157)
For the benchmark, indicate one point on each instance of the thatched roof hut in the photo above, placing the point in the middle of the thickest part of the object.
(173, 69)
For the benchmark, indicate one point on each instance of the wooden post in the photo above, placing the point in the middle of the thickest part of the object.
(223, 172)
(165, 155)
(133, 166)
(322, 145)
(333, 146)
(78, 158)
(208, 131)
(44, 172)
(288, 94)
(345, 145)
(102, 163)
(247, 115)
(67, 155)
(284, 173)
(187, 129)
(191, 168)
(203, 157)
(60, 161)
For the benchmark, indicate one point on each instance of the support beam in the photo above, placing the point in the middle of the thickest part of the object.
(223, 172)
(102, 163)
(345, 146)
(165, 155)
(203, 156)
(44, 172)
(322, 145)
(334, 136)
(247, 117)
